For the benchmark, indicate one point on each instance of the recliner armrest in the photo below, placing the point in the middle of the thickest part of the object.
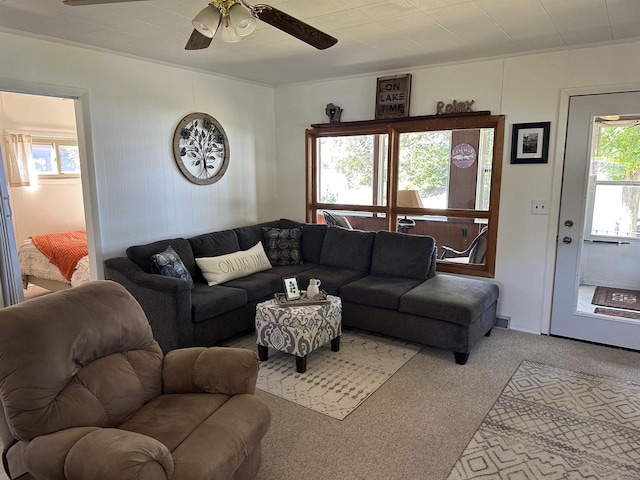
(86, 453)
(230, 371)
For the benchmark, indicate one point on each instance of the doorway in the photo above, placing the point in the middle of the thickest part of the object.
(596, 293)
(51, 197)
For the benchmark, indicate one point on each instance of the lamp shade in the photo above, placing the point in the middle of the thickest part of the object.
(409, 198)
(228, 34)
(207, 21)
(241, 20)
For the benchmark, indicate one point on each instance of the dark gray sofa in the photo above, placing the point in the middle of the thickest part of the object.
(387, 282)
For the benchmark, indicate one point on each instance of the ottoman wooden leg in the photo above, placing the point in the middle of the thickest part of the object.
(301, 364)
(488, 334)
(263, 353)
(335, 344)
(461, 358)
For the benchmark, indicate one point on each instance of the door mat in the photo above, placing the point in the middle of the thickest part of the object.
(618, 313)
(617, 297)
(551, 423)
(335, 383)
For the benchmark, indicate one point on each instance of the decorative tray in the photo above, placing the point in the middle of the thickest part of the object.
(302, 301)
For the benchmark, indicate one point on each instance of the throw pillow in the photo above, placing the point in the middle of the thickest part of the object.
(333, 219)
(283, 245)
(169, 264)
(234, 265)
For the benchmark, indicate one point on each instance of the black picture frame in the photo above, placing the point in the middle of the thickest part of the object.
(530, 142)
(291, 289)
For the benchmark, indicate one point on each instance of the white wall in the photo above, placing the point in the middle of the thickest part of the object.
(130, 109)
(525, 89)
(54, 205)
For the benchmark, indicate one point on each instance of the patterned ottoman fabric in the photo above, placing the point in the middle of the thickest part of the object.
(298, 330)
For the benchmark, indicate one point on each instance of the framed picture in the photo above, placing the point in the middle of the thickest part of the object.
(530, 142)
(291, 290)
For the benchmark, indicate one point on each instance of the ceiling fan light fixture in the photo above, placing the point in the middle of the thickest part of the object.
(228, 34)
(242, 20)
(207, 21)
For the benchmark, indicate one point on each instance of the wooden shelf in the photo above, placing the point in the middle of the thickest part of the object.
(386, 121)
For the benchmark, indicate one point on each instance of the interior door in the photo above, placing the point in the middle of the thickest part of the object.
(585, 247)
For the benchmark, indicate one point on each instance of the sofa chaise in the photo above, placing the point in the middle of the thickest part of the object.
(387, 282)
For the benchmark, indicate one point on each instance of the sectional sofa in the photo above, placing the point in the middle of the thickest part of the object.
(387, 282)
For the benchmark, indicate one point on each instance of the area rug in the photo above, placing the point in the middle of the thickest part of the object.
(618, 313)
(616, 297)
(335, 383)
(550, 423)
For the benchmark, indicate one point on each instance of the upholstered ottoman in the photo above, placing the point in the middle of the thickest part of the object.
(298, 330)
(455, 312)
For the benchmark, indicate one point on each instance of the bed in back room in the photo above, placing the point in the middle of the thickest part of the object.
(55, 261)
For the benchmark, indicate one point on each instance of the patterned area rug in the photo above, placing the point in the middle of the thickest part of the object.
(618, 313)
(335, 383)
(550, 424)
(616, 297)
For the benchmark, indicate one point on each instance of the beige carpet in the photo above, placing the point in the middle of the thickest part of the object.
(418, 423)
(335, 383)
(551, 423)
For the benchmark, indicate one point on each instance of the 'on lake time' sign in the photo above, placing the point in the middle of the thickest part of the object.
(392, 96)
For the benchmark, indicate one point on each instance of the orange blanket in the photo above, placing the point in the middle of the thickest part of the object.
(63, 249)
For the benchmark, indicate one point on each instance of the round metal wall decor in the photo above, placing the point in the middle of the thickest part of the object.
(201, 148)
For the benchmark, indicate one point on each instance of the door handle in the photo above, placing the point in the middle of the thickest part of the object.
(567, 240)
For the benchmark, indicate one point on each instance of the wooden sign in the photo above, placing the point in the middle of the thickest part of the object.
(454, 107)
(392, 96)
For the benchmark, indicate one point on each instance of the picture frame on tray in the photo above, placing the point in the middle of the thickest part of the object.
(291, 289)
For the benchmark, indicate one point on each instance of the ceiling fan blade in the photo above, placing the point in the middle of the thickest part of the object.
(94, 2)
(293, 26)
(197, 41)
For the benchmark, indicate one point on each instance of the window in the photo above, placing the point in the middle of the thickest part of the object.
(55, 157)
(613, 211)
(437, 176)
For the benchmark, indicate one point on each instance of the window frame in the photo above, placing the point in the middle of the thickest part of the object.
(55, 142)
(391, 210)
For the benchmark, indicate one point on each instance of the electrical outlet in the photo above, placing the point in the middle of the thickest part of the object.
(539, 207)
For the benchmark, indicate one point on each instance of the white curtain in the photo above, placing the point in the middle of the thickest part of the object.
(10, 282)
(19, 160)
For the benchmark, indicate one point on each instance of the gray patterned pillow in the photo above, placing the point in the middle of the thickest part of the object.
(169, 264)
(283, 245)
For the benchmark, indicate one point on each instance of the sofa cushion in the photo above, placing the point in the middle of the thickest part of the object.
(332, 278)
(380, 291)
(258, 285)
(312, 238)
(449, 298)
(208, 302)
(401, 255)
(141, 254)
(223, 430)
(169, 264)
(234, 265)
(248, 236)
(215, 243)
(291, 270)
(350, 249)
(283, 245)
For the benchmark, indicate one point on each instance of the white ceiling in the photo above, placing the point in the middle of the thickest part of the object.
(373, 35)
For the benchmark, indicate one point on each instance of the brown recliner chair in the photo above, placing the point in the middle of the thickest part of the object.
(86, 393)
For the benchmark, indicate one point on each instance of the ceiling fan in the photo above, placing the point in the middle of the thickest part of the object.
(235, 19)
